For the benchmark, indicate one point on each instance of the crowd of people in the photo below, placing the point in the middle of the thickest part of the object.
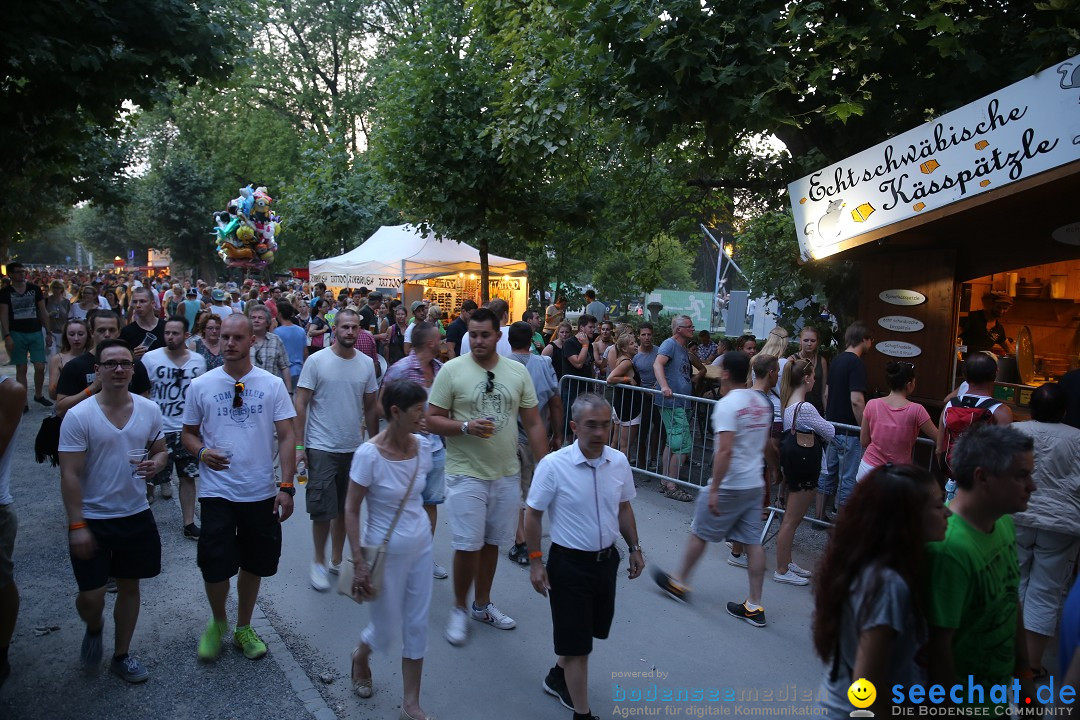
(248, 391)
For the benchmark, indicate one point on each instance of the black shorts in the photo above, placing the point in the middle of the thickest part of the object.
(582, 598)
(128, 548)
(238, 535)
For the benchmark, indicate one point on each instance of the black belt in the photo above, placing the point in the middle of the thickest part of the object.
(847, 432)
(591, 555)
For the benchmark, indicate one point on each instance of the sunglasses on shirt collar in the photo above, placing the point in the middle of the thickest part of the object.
(238, 397)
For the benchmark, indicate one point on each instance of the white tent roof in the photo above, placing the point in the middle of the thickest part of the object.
(397, 253)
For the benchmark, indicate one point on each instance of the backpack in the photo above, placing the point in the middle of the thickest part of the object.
(962, 413)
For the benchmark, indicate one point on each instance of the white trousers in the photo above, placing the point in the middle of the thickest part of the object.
(403, 604)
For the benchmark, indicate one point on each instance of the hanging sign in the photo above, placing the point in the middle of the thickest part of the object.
(895, 348)
(901, 323)
(1067, 234)
(902, 297)
(1018, 132)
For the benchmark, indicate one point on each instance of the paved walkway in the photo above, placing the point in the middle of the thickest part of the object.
(695, 651)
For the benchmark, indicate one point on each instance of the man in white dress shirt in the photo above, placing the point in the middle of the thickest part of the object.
(587, 488)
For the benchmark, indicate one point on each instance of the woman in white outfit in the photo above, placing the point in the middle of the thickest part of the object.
(382, 470)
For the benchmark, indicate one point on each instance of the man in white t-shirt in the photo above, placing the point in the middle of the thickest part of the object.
(104, 466)
(171, 370)
(730, 509)
(335, 399)
(501, 308)
(230, 416)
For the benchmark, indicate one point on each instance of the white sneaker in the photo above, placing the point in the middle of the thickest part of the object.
(456, 629)
(801, 572)
(790, 578)
(319, 579)
(166, 490)
(737, 560)
(493, 616)
(439, 572)
(333, 568)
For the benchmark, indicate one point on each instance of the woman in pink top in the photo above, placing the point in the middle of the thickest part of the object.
(890, 425)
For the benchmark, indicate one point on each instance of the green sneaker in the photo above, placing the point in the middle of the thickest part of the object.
(247, 640)
(210, 642)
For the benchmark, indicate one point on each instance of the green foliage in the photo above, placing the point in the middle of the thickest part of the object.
(66, 68)
(628, 272)
(768, 252)
(332, 204)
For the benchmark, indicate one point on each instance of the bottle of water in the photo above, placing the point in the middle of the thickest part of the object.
(301, 473)
(950, 490)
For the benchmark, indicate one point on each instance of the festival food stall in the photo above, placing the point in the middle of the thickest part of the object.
(966, 223)
(400, 259)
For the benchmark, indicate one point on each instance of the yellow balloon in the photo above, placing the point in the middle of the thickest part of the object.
(245, 233)
(267, 256)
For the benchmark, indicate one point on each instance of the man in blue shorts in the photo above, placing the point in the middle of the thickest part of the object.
(22, 319)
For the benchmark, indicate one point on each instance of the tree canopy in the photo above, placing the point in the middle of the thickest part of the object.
(67, 67)
(588, 137)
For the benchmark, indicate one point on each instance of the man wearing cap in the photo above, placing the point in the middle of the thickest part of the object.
(419, 315)
(219, 308)
(983, 329)
(191, 306)
(234, 300)
(371, 310)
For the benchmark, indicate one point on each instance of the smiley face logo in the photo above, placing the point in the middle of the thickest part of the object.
(862, 693)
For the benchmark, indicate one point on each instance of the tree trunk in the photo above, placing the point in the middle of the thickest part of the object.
(484, 293)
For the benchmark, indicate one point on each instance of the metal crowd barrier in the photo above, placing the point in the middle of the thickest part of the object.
(644, 443)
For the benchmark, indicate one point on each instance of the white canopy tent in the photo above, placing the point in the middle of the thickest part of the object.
(397, 254)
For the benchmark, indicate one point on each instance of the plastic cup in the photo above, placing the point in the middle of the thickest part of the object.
(225, 449)
(135, 457)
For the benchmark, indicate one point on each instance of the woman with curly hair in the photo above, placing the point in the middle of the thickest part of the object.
(871, 586)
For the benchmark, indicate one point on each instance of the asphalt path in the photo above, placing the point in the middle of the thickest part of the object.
(655, 643)
(710, 663)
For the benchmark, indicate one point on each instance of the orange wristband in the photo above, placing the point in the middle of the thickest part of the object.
(281, 485)
(536, 554)
(76, 526)
(87, 391)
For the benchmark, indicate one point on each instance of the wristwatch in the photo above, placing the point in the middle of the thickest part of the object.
(634, 548)
(465, 428)
(290, 491)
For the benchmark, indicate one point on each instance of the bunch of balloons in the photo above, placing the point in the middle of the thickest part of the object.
(246, 232)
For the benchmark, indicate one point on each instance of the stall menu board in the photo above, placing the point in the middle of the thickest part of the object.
(449, 292)
(1020, 131)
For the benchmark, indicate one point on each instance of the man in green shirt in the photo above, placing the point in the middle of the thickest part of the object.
(973, 612)
(475, 403)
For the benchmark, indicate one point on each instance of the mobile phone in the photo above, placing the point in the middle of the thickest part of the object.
(149, 340)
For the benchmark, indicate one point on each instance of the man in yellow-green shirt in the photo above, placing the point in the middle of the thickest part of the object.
(475, 403)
